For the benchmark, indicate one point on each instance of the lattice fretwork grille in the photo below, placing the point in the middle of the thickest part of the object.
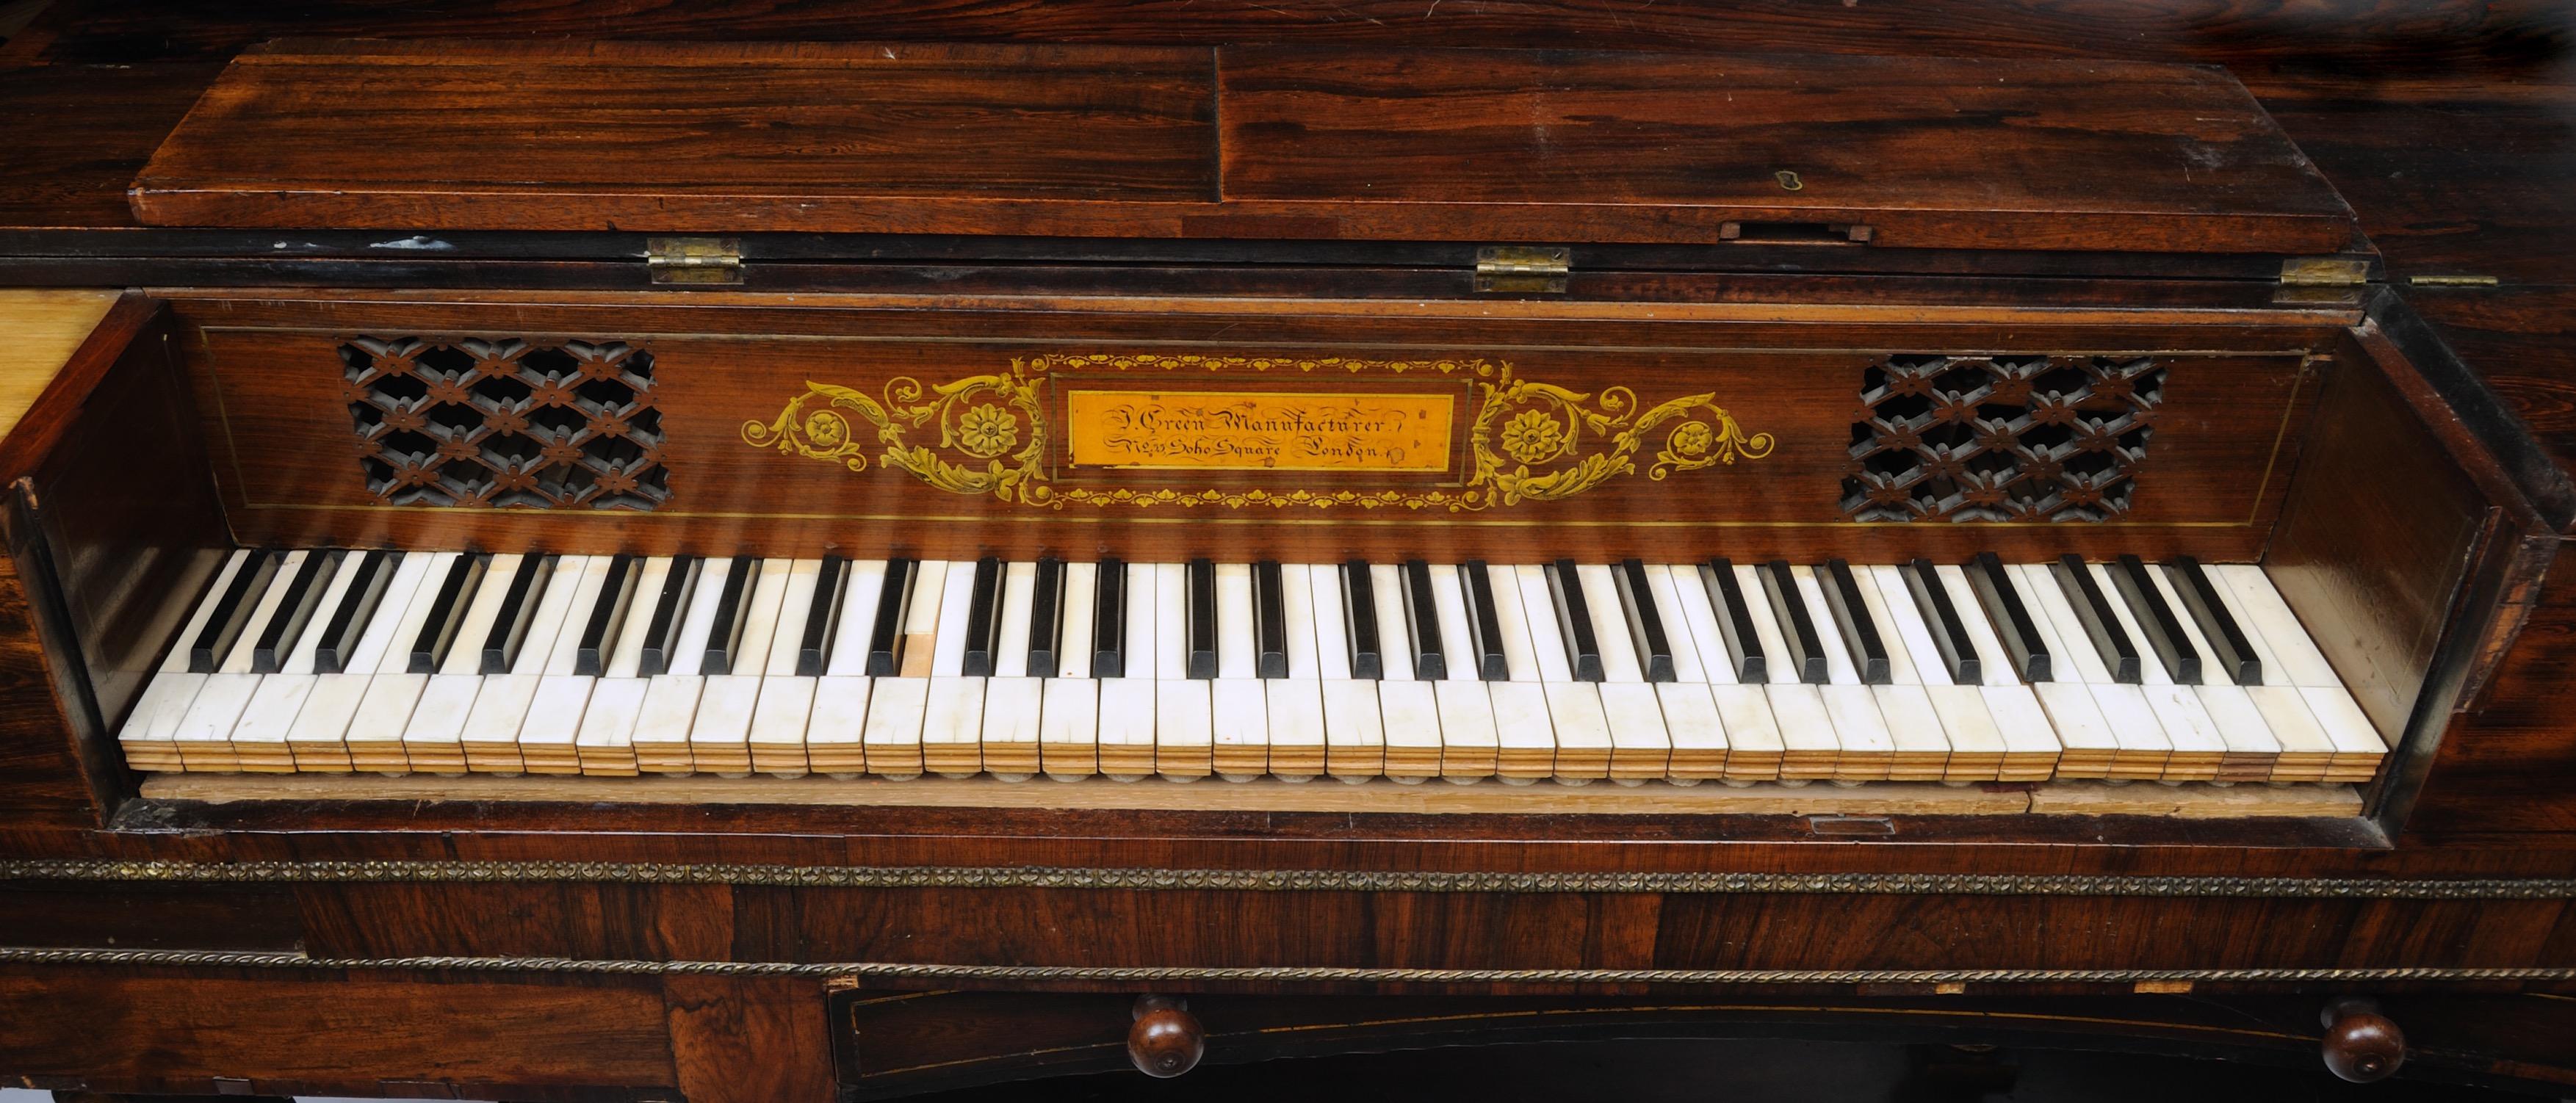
(2001, 438)
(476, 421)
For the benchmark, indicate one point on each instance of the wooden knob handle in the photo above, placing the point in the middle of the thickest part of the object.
(1166, 1040)
(2362, 1045)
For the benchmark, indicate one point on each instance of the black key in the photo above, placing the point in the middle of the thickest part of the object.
(2156, 621)
(1851, 614)
(1949, 633)
(983, 619)
(1735, 622)
(447, 612)
(2093, 610)
(1482, 622)
(607, 619)
(670, 614)
(232, 611)
(2009, 615)
(358, 604)
(733, 612)
(894, 606)
(1359, 621)
(1645, 622)
(1046, 617)
(1202, 619)
(269, 653)
(823, 617)
(1269, 621)
(1109, 621)
(1797, 629)
(518, 611)
(1422, 623)
(2237, 659)
(1574, 620)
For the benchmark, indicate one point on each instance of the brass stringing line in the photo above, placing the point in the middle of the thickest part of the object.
(1380, 975)
(1964, 884)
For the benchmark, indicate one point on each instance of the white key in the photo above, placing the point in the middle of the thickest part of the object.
(1171, 583)
(892, 736)
(850, 637)
(1698, 731)
(2260, 609)
(205, 731)
(1296, 723)
(1127, 723)
(1609, 624)
(385, 711)
(660, 734)
(1073, 647)
(1672, 597)
(1977, 745)
(1808, 745)
(698, 626)
(2086, 737)
(1863, 742)
(552, 724)
(1538, 608)
(835, 732)
(1236, 650)
(720, 737)
(1332, 635)
(1143, 630)
(1918, 746)
(1776, 667)
(1754, 747)
(1512, 621)
(433, 738)
(1241, 720)
(269, 718)
(1394, 640)
(787, 627)
(1994, 665)
(2239, 723)
(956, 594)
(626, 660)
(1900, 628)
(785, 704)
(498, 720)
(2345, 724)
(263, 610)
(1297, 621)
(1524, 734)
(1011, 637)
(2307, 750)
(1184, 726)
(1354, 730)
(1449, 596)
(1410, 715)
(465, 656)
(2070, 648)
(1641, 746)
(1583, 741)
(1467, 733)
(564, 650)
(608, 720)
(1012, 708)
(1839, 668)
(1069, 723)
(2182, 724)
(163, 706)
(952, 725)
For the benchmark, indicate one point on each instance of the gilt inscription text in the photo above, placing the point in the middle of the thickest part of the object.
(1248, 431)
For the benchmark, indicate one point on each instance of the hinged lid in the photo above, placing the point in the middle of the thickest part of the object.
(1277, 143)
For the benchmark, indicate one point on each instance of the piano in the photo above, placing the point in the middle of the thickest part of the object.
(731, 570)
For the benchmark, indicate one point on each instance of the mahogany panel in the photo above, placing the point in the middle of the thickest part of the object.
(1135, 142)
(2510, 766)
(478, 1036)
(1747, 415)
(2374, 35)
(149, 917)
(748, 1039)
(42, 781)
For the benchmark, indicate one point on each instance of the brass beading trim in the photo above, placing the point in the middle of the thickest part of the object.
(1293, 880)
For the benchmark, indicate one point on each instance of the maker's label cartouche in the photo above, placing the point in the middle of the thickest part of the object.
(1259, 431)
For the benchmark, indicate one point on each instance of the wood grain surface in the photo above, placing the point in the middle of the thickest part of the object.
(1238, 143)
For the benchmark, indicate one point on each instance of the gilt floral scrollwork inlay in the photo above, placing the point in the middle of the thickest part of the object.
(1528, 441)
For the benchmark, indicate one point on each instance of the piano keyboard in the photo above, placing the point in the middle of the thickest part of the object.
(334, 660)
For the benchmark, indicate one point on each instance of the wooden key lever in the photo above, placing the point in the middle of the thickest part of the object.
(1167, 1040)
(2361, 1045)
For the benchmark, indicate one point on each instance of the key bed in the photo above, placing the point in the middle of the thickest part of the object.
(326, 660)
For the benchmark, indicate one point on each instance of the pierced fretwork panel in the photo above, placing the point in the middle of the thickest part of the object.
(473, 421)
(2001, 438)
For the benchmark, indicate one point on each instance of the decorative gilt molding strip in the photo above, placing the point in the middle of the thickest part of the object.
(1151, 974)
(1293, 880)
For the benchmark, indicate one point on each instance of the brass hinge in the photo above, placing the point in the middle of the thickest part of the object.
(1523, 268)
(2325, 271)
(693, 259)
